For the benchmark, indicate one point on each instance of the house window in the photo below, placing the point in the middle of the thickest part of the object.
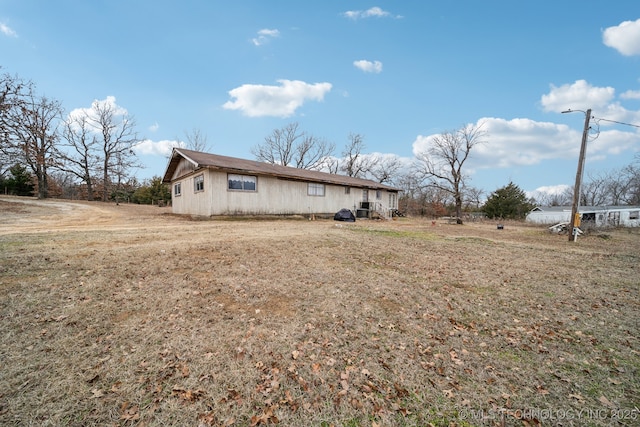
(347, 190)
(177, 189)
(241, 182)
(365, 195)
(392, 200)
(315, 189)
(634, 215)
(378, 194)
(198, 183)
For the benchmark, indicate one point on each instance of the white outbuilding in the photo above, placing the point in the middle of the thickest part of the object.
(594, 216)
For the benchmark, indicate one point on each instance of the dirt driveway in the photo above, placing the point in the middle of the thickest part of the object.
(22, 214)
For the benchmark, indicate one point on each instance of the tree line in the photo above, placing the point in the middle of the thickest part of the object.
(93, 147)
(89, 154)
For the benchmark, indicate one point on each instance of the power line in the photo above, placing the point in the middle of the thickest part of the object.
(614, 121)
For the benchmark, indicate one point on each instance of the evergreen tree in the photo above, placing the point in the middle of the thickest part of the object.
(508, 202)
(152, 191)
(20, 183)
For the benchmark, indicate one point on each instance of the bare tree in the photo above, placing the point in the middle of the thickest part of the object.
(289, 146)
(355, 163)
(385, 168)
(630, 181)
(29, 126)
(441, 164)
(117, 137)
(80, 154)
(197, 141)
(595, 190)
(473, 197)
(554, 199)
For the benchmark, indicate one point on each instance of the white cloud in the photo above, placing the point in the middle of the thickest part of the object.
(264, 36)
(154, 127)
(516, 142)
(630, 94)
(7, 31)
(547, 193)
(625, 38)
(374, 12)
(555, 190)
(109, 102)
(275, 101)
(368, 66)
(525, 142)
(162, 148)
(579, 95)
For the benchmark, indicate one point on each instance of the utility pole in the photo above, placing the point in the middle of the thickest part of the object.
(573, 232)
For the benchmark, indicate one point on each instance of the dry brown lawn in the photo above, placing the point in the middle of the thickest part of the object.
(128, 315)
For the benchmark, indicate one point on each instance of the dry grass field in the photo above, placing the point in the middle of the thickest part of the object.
(131, 316)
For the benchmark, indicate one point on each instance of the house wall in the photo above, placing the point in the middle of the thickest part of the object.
(273, 196)
(548, 217)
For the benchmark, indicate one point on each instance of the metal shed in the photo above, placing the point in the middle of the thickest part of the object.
(596, 216)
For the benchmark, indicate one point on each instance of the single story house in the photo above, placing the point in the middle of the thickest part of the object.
(594, 216)
(206, 184)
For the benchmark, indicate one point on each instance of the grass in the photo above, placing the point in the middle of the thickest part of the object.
(150, 319)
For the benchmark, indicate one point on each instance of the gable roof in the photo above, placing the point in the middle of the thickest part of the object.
(202, 160)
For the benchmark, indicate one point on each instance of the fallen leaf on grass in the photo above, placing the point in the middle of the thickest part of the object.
(187, 395)
(542, 390)
(184, 371)
(96, 392)
(207, 419)
(266, 417)
(448, 393)
(129, 413)
(577, 397)
(606, 402)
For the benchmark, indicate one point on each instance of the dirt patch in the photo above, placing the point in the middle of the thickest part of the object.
(128, 315)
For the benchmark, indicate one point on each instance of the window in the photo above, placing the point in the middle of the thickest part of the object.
(177, 189)
(634, 215)
(241, 182)
(392, 200)
(365, 195)
(198, 183)
(315, 189)
(347, 190)
(378, 194)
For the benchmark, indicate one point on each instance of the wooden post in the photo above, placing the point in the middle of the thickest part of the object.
(573, 235)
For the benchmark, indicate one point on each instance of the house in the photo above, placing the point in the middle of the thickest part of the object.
(593, 216)
(206, 184)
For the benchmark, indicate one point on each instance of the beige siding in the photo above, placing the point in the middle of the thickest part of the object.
(273, 196)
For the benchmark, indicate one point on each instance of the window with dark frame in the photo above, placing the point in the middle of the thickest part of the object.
(241, 182)
(198, 183)
(315, 189)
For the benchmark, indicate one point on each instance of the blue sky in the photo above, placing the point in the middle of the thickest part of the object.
(396, 73)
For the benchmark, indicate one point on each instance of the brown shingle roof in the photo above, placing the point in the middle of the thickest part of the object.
(231, 164)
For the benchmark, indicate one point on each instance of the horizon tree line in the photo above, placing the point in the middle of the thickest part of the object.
(89, 154)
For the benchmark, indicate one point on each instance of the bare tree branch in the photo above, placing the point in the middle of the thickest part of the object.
(197, 141)
(441, 164)
(289, 146)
